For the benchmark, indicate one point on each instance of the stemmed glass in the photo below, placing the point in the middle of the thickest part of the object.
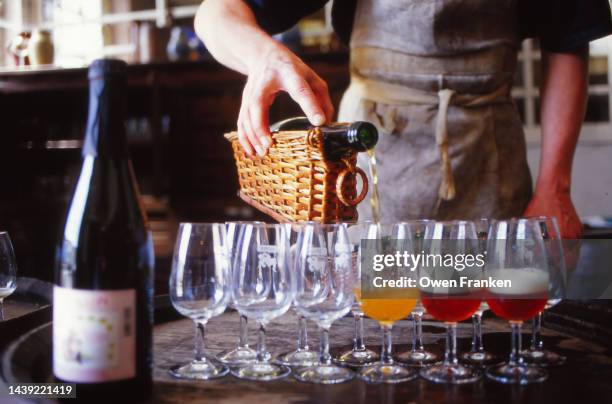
(324, 290)
(386, 309)
(411, 233)
(477, 354)
(536, 354)
(263, 289)
(516, 252)
(302, 355)
(242, 353)
(199, 289)
(453, 304)
(8, 270)
(359, 355)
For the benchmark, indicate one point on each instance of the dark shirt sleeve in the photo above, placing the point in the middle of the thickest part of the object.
(565, 25)
(275, 16)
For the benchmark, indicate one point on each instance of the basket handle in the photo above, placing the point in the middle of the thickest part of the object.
(342, 177)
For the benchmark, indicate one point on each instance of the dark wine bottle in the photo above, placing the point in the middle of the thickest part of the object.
(103, 298)
(339, 139)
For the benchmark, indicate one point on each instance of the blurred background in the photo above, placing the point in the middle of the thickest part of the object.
(180, 103)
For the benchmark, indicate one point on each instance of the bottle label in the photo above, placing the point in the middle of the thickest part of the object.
(94, 335)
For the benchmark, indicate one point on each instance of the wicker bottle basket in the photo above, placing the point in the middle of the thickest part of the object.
(295, 182)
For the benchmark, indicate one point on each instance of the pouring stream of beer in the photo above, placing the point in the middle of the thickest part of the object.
(374, 199)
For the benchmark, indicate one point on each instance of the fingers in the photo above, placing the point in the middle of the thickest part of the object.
(299, 89)
(322, 92)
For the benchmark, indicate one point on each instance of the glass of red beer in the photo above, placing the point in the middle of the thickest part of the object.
(516, 254)
(537, 354)
(451, 303)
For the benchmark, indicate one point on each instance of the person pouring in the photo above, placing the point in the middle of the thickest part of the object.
(435, 77)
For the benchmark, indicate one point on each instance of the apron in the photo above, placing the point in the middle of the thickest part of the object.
(435, 77)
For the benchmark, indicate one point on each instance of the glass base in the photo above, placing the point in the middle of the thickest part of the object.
(542, 357)
(299, 358)
(391, 373)
(238, 356)
(451, 374)
(479, 358)
(419, 358)
(357, 357)
(261, 371)
(517, 374)
(199, 370)
(324, 374)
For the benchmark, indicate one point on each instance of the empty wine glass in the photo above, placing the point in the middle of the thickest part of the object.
(263, 289)
(516, 252)
(452, 304)
(8, 270)
(302, 355)
(536, 354)
(242, 353)
(477, 355)
(412, 232)
(359, 355)
(324, 290)
(200, 289)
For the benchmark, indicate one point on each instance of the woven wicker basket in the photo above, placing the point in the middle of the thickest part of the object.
(294, 182)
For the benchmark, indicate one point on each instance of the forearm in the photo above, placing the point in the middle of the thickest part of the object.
(231, 34)
(563, 100)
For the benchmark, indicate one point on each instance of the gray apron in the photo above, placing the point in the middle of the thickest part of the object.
(435, 77)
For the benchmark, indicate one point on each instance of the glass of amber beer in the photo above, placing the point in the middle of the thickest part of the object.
(446, 301)
(386, 309)
(516, 253)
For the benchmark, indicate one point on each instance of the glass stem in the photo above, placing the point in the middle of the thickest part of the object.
(302, 334)
(386, 356)
(200, 356)
(358, 344)
(417, 332)
(477, 345)
(244, 333)
(1, 309)
(450, 356)
(261, 343)
(536, 337)
(514, 359)
(325, 357)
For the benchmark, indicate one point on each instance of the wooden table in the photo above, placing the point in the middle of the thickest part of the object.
(585, 378)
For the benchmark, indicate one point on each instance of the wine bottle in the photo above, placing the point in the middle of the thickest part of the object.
(339, 139)
(103, 298)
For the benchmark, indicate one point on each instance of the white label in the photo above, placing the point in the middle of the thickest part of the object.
(94, 335)
(263, 248)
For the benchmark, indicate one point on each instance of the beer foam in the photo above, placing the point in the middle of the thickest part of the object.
(525, 281)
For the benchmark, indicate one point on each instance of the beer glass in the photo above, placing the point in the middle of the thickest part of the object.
(412, 232)
(242, 353)
(450, 305)
(477, 354)
(8, 270)
(200, 290)
(386, 309)
(325, 280)
(359, 355)
(263, 289)
(516, 252)
(536, 354)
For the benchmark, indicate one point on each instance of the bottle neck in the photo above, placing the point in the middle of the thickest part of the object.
(105, 135)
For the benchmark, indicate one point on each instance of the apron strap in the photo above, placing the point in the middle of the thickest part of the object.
(447, 186)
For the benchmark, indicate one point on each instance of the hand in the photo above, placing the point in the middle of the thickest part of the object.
(279, 70)
(560, 206)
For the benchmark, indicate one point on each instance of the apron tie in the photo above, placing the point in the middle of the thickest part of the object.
(447, 186)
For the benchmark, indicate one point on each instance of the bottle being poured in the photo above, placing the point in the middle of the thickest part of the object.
(339, 140)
